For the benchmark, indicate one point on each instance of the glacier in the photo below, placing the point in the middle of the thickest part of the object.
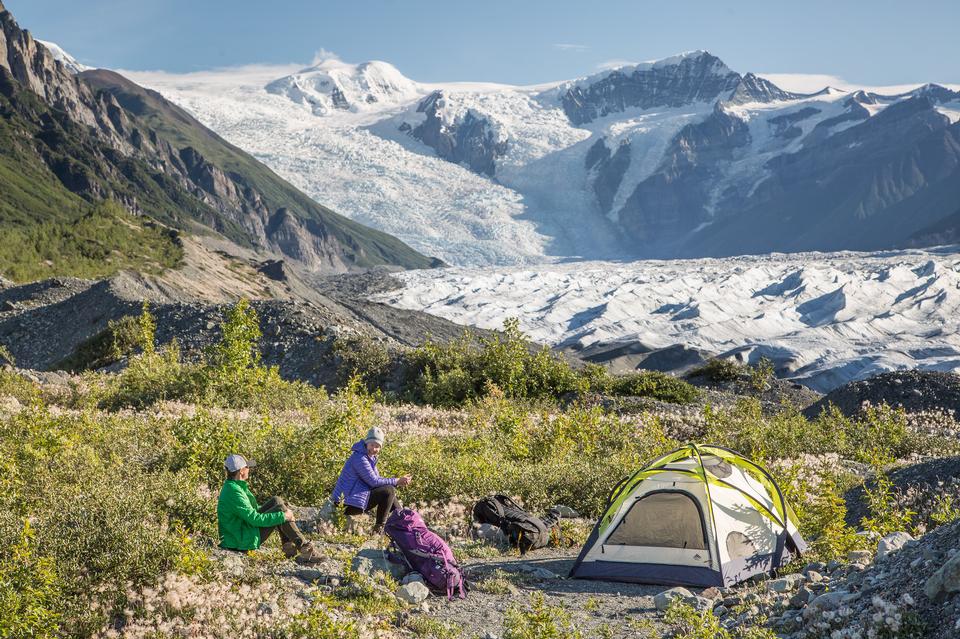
(822, 318)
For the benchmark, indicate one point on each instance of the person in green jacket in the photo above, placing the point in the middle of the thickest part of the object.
(244, 525)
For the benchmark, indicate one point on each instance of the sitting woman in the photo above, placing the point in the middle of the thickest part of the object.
(360, 486)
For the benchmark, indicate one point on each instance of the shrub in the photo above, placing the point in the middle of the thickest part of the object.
(29, 587)
(655, 385)
(469, 367)
(6, 358)
(761, 374)
(719, 370)
(363, 357)
(121, 338)
(539, 621)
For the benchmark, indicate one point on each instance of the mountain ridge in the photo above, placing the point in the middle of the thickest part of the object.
(79, 138)
(520, 180)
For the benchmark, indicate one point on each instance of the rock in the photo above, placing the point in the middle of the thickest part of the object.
(800, 599)
(565, 511)
(10, 404)
(945, 580)
(537, 572)
(489, 533)
(413, 593)
(720, 611)
(814, 566)
(369, 561)
(309, 574)
(814, 577)
(785, 584)
(700, 603)
(892, 542)
(662, 601)
(412, 577)
(326, 511)
(711, 593)
(860, 557)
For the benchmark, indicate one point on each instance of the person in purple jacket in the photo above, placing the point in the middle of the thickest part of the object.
(360, 487)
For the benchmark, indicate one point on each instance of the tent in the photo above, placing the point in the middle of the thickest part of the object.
(698, 516)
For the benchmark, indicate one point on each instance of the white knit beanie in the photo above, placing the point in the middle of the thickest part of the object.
(375, 435)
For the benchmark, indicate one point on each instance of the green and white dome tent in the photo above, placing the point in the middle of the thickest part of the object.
(698, 516)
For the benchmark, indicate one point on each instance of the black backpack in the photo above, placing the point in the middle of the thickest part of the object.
(522, 529)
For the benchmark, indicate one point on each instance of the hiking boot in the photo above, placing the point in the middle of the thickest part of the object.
(309, 555)
(289, 549)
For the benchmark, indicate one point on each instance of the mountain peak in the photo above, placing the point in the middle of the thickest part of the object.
(334, 85)
(693, 76)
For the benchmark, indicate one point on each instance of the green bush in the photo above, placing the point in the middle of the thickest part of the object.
(655, 385)
(469, 368)
(539, 621)
(363, 357)
(29, 586)
(232, 373)
(121, 338)
(719, 370)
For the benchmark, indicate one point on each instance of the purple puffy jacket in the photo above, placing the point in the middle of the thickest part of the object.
(358, 477)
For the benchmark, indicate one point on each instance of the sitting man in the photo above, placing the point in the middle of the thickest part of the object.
(245, 526)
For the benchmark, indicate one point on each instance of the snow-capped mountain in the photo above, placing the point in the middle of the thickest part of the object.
(822, 318)
(335, 85)
(68, 61)
(681, 157)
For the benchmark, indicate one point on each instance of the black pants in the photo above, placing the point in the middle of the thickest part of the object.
(288, 530)
(384, 498)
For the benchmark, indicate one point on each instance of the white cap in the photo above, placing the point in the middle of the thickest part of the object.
(375, 435)
(233, 463)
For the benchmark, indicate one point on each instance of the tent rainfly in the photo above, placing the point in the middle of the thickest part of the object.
(698, 516)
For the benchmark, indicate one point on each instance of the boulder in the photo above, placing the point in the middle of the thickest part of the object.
(945, 580)
(663, 600)
(369, 561)
(412, 577)
(489, 533)
(785, 584)
(537, 572)
(892, 543)
(565, 511)
(414, 592)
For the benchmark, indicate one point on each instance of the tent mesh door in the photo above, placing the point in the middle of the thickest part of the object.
(662, 519)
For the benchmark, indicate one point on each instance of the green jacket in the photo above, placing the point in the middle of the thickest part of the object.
(238, 519)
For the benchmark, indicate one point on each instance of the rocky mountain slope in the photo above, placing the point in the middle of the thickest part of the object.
(678, 157)
(44, 323)
(70, 139)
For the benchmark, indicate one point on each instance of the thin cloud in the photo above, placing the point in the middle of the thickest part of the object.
(566, 46)
(813, 82)
(606, 65)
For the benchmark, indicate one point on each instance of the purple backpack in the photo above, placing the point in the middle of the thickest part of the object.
(415, 545)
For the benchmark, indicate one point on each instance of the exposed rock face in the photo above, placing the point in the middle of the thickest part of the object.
(699, 77)
(609, 169)
(677, 197)
(752, 88)
(103, 136)
(466, 138)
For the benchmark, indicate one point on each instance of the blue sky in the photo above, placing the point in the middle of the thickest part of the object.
(519, 41)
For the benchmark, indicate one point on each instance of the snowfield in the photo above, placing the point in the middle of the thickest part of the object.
(824, 319)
